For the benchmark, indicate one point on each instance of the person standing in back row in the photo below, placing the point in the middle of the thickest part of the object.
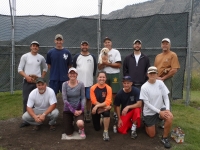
(30, 68)
(167, 64)
(59, 60)
(112, 69)
(136, 65)
(86, 66)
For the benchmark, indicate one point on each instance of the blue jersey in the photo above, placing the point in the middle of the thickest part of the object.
(60, 60)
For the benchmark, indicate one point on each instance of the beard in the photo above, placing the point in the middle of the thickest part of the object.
(41, 91)
(137, 49)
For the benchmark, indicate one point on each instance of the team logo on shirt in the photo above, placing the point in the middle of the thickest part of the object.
(65, 56)
(103, 94)
(89, 61)
(131, 98)
(38, 61)
(115, 80)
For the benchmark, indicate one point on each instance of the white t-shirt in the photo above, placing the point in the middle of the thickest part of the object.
(85, 69)
(41, 101)
(114, 56)
(31, 64)
(153, 96)
(137, 58)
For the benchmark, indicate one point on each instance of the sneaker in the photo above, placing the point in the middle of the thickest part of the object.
(82, 133)
(166, 143)
(133, 134)
(87, 118)
(106, 136)
(162, 124)
(24, 124)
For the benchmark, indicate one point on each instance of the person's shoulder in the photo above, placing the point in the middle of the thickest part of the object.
(129, 56)
(94, 86)
(49, 89)
(135, 89)
(142, 54)
(173, 53)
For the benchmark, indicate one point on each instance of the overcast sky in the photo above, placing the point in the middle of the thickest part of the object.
(64, 8)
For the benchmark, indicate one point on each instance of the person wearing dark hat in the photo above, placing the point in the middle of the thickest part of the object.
(30, 68)
(129, 114)
(86, 66)
(59, 60)
(136, 65)
(41, 104)
(112, 68)
(167, 64)
(154, 94)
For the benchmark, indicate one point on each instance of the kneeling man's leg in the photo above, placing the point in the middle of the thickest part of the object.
(53, 116)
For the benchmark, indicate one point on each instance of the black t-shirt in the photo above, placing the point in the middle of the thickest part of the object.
(125, 99)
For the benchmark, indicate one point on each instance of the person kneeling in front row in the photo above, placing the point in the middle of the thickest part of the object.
(154, 93)
(44, 101)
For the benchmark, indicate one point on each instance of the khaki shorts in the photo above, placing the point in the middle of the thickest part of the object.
(114, 82)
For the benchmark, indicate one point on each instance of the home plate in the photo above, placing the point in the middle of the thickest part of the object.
(75, 136)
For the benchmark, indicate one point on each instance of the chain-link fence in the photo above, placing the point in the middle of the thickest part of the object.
(150, 29)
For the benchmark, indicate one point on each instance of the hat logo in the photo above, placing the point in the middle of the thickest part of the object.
(65, 56)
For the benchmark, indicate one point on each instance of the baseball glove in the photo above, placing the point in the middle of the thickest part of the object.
(33, 78)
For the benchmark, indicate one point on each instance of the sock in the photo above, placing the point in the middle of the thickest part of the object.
(105, 131)
(133, 128)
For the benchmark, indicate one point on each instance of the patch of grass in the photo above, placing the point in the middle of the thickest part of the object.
(188, 119)
(10, 105)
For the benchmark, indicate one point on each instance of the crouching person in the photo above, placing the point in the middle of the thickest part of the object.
(41, 104)
(154, 93)
(101, 98)
(129, 115)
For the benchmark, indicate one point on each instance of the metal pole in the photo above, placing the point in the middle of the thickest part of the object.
(99, 25)
(189, 51)
(12, 66)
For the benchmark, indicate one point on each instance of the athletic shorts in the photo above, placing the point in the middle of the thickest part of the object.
(96, 118)
(151, 120)
(87, 93)
(56, 86)
(113, 80)
(128, 119)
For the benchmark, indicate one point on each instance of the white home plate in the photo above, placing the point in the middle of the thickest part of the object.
(75, 136)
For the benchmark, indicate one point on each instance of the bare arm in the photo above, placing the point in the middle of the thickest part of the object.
(106, 64)
(27, 77)
(169, 74)
(136, 105)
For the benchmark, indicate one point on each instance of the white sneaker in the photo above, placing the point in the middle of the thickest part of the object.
(82, 133)
(106, 136)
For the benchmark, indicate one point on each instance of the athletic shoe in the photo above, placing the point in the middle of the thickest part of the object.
(166, 143)
(24, 124)
(133, 134)
(82, 133)
(106, 136)
(87, 118)
(162, 124)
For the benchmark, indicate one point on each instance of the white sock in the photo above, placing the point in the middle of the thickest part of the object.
(133, 128)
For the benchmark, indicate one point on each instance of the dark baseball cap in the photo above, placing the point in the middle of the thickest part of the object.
(84, 42)
(107, 38)
(40, 79)
(127, 78)
(35, 42)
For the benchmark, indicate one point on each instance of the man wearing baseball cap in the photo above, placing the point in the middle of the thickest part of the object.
(167, 64)
(112, 69)
(154, 94)
(59, 60)
(129, 114)
(30, 68)
(86, 66)
(41, 104)
(136, 65)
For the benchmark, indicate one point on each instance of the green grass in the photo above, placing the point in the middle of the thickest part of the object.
(10, 105)
(186, 117)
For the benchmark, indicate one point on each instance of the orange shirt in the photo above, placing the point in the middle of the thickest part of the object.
(166, 62)
(99, 93)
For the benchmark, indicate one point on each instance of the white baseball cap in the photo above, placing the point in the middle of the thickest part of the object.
(166, 40)
(152, 69)
(72, 69)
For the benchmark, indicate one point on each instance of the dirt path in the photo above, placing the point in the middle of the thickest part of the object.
(14, 138)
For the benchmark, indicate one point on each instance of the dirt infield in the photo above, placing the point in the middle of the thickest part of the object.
(14, 138)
